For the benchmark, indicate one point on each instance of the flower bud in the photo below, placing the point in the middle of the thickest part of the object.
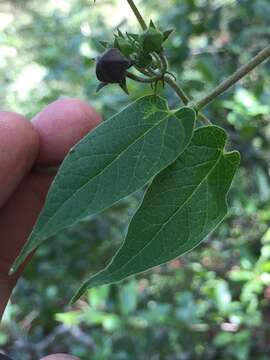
(152, 40)
(112, 66)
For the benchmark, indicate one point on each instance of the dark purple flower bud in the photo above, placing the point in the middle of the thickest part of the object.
(112, 66)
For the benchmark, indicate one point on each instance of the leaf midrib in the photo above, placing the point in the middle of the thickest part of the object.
(104, 169)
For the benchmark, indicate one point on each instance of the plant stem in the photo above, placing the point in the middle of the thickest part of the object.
(231, 80)
(139, 78)
(164, 62)
(182, 95)
(158, 60)
(168, 80)
(204, 119)
(143, 71)
(137, 14)
(177, 89)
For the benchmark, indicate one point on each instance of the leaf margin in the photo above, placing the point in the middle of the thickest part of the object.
(87, 284)
(28, 247)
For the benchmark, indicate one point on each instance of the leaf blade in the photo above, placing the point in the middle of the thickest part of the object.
(176, 192)
(116, 159)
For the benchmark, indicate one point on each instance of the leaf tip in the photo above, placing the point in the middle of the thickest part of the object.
(15, 266)
(79, 293)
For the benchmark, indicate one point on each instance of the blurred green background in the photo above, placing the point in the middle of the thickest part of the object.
(213, 303)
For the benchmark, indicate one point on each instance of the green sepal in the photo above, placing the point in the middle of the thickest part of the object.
(167, 34)
(143, 59)
(152, 25)
(124, 46)
(120, 34)
(101, 86)
(151, 40)
(134, 37)
(123, 86)
(104, 44)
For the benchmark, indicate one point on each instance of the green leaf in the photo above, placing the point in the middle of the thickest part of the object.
(117, 158)
(185, 202)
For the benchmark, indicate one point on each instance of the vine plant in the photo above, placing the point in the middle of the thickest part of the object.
(185, 168)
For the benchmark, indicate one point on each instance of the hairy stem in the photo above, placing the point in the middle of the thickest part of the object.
(204, 119)
(164, 62)
(137, 14)
(231, 80)
(184, 97)
(143, 71)
(180, 92)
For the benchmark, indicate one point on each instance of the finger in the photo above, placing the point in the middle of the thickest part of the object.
(18, 150)
(18, 217)
(16, 221)
(25, 204)
(60, 126)
(60, 357)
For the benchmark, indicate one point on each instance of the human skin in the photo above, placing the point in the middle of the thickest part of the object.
(28, 150)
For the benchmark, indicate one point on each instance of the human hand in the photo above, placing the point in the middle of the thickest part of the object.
(27, 149)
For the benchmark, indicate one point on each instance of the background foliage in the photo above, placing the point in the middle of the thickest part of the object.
(213, 303)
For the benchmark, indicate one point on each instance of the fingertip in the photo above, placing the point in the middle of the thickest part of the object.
(61, 125)
(19, 145)
(19, 128)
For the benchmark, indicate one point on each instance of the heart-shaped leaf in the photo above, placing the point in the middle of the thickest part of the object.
(185, 202)
(117, 158)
